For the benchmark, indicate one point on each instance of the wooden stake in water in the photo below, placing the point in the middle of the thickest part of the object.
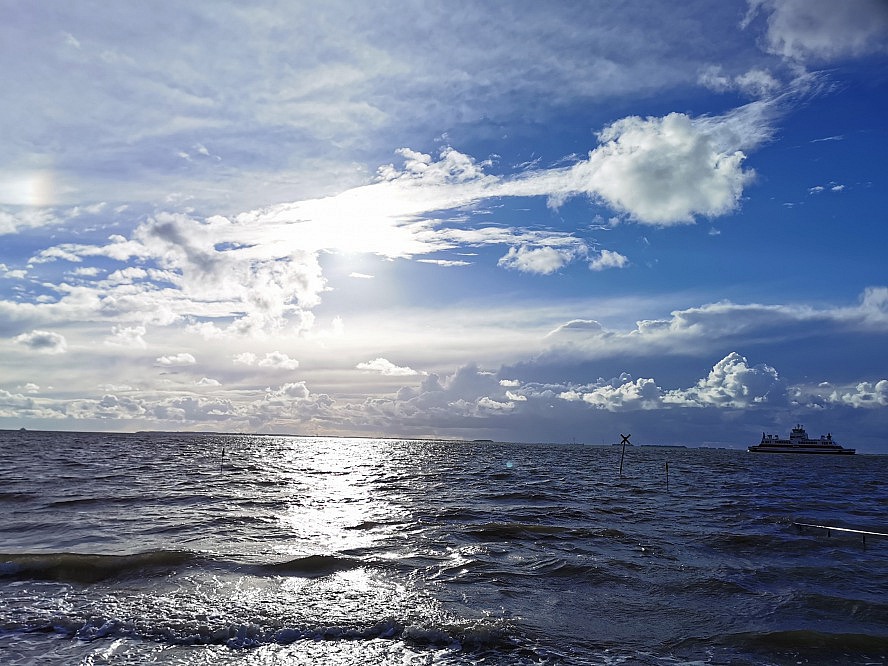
(222, 459)
(625, 442)
(667, 476)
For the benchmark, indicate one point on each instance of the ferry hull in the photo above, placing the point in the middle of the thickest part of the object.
(817, 452)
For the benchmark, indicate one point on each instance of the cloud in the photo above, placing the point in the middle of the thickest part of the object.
(822, 30)
(445, 262)
(45, 342)
(754, 82)
(386, 367)
(541, 260)
(273, 359)
(664, 170)
(733, 383)
(181, 359)
(620, 395)
(127, 336)
(660, 171)
(865, 395)
(608, 259)
(278, 360)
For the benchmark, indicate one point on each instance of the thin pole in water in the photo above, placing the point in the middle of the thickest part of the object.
(622, 455)
(667, 476)
(222, 459)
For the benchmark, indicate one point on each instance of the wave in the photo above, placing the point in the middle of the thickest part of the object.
(311, 565)
(472, 636)
(89, 568)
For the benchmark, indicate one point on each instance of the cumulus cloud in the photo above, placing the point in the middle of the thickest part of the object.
(664, 170)
(127, 336)
(45, 342)
(608, 259)
(540, 260)
(618, 395)
(385, 367)
(733, 383)
(280, 360)
(861, 395)
(660, 170)
(822, 30)
(181, 359)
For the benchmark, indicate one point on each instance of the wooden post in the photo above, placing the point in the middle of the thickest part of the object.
(222, 459)
(667, 476)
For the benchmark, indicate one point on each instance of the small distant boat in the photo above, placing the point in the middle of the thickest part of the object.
(799, 442)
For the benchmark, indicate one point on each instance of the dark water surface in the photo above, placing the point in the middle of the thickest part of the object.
(131, 549)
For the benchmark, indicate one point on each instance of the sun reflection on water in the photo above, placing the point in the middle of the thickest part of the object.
(332, 496)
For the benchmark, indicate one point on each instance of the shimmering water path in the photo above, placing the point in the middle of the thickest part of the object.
(131, 549)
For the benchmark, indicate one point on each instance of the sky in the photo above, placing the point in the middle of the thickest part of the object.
(519, 221)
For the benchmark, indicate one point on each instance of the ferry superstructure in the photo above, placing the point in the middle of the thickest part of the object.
(799, 442)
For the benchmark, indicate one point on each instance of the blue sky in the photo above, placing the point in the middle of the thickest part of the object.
(519, 221)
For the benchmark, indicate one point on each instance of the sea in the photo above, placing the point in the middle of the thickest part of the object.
(171, 548)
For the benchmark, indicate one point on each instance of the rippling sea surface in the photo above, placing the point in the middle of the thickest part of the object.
(160, 548)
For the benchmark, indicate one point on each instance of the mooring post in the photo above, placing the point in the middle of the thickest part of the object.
(622, 455)
(667, 476)
(222, 459)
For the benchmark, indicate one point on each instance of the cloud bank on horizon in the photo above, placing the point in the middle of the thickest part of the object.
(596, 216)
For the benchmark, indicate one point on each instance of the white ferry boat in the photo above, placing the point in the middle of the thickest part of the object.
(798, 442)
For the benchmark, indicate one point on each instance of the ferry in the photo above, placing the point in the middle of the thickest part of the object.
(799, 442)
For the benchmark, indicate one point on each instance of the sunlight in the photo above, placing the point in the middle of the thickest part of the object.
(27, 189)
(334, 501)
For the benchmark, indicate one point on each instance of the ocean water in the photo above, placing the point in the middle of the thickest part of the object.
(162, 549)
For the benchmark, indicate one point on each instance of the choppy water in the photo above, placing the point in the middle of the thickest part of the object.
(131, 549)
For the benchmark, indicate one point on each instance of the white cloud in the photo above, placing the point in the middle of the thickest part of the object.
(732, 382)
(273, 359)
(206, 381)
(540, 260)
(445, 262)
(618, 395)
(664, 170)
(758, 83)
(608, 259)
(754, 82)
(864, 395)
(181, 359)
(127, 336)
(386, 367)
(278, 360)
(45, 342)
(821, 30)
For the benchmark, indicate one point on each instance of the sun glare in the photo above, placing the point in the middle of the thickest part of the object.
(27, 189)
